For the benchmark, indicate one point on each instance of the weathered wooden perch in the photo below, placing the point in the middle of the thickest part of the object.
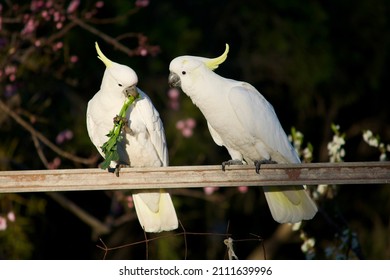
(195, 176)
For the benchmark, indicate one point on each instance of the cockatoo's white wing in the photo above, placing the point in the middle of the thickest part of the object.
(154, 126)
(260, 124)
(258, 119)
(97, 138)
(155, 210)
(214, 134)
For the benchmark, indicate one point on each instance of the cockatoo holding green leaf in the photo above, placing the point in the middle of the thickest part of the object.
(141, 142)
(243, 121)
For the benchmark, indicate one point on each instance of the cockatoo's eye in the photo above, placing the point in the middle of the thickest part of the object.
(184, 72)
(120, 85)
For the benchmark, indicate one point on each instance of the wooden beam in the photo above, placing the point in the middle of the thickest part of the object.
(195, 176)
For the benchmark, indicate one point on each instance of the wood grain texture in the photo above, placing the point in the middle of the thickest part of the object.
(195, 176)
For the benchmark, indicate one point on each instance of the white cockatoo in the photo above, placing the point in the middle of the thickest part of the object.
(143, 142)
(243, 121)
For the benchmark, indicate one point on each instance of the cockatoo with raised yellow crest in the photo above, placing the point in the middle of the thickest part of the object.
(143, 142)
(243, 121)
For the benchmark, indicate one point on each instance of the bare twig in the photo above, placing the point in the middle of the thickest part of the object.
(43, 139)
(98, 228)
(102, 35)
(113, 19)
(39, 151)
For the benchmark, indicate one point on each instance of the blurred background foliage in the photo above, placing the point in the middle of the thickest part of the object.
(317, 62)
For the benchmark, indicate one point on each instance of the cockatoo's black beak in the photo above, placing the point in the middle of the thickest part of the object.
(174, 80)
(131, 90)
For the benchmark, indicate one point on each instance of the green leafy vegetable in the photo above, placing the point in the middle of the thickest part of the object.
(109, 148)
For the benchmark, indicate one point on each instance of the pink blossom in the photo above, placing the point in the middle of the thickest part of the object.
(57, 16)
(180, 125)
(243, 189)
(173, 94)
(10, 69)
(49, 4)
(74, 58)
(11, 216)
(191, 123)
(210, 190)
(29, 27)
(45, 15)
(130, 202)
(58, 46)
(73, 6)
(36, 5)
(143, 52)
(63, 136)
(99, 4)
(174, 105)
(186, 127)
(187, 132)
(3, 223)
(141, 3)
(55, 163)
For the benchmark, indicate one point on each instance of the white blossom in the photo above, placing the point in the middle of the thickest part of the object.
(322, 189)
(308, 244)
(296, 226)
(373, 142)
(367, 135)
(307, 153)
(335, 152)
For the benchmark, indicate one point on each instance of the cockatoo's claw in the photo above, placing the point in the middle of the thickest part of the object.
(118, 168)
(231, 162)
(258, 163)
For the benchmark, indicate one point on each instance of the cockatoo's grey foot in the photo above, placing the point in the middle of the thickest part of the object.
(258, 163)
(231, 162)
(118, 168)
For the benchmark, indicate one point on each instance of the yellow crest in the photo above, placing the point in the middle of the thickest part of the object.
(213, 63)
(102, 57)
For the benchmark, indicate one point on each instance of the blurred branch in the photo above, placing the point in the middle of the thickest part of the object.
(114, 19)
(39, 151)
(98, 228)
(102, 35)
(43, 139)
(269, 247)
